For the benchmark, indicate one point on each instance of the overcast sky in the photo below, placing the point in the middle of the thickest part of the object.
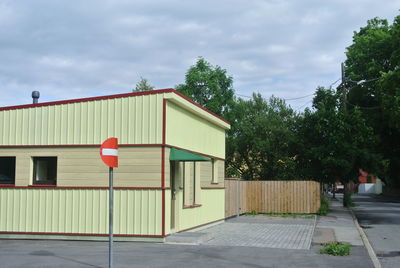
(73, 49)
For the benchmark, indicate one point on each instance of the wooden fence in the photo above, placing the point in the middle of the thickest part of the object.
(271, 196)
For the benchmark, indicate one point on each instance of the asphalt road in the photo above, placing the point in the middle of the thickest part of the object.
(380, 219)
(42, 253)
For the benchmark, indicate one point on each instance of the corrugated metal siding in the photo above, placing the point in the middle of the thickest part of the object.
(79, 211)
(187, 130)
(212, 209)
(81, 166)
(134, 120)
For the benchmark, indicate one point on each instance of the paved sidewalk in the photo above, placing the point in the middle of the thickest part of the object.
(337, 226)
(263, 231)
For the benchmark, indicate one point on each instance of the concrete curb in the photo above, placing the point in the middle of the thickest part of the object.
(367, 245)
(312, 235)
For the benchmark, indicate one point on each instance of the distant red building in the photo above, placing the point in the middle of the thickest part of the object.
(363, 178)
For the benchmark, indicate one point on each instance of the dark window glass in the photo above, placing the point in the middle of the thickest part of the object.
(7, 170)
(45, 170)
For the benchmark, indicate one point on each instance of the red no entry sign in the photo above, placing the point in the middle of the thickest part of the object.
(109, 152)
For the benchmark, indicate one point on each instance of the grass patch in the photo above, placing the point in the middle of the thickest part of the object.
(252, 213)
(289, 215)
(336, 249)
(284, 215)
(325, 204)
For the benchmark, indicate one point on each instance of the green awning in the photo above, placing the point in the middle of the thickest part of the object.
(181, 155)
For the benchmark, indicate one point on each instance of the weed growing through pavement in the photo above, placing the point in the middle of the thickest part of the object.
(325, 204)
(348, 201)
(336, 249)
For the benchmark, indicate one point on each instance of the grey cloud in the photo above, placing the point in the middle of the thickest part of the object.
(88, 48)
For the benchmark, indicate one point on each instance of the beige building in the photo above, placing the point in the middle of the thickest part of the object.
(53, 183)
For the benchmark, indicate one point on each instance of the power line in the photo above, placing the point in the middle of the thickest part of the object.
(358, 84)
(300, 97)
(331, 85)
(364, 108)
(243, 96)
(361, 82)
(298, 108)
(296, 98)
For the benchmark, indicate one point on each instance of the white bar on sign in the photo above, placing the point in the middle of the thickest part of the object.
(113, 152)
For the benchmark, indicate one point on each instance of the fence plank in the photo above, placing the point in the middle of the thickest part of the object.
(271, 196)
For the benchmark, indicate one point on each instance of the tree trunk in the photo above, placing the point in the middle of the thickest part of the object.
(334, 191)
(344, 194)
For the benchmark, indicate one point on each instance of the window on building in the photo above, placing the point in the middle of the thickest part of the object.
(188, 183)
(191, 184)
(7, 170)
(215, 171)
(45, 170)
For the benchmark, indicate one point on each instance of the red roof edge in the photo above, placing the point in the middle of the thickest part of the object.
(124, 95)
(198, 105)
(40, 104)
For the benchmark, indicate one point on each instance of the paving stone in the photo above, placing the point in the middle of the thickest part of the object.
(263, 232)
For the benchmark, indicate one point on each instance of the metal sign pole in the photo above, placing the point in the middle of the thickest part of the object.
(110, 215)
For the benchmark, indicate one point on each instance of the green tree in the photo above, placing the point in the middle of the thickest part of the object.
(209, 86)
(335, 142)
(260, 142)
(143, 85)
(374, 57)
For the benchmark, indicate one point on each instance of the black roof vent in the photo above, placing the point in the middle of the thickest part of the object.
(35, 96)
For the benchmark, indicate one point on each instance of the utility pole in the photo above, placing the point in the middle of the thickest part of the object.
(344, 87)
(345, 109)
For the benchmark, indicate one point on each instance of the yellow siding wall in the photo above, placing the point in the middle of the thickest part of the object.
(212, 201)
(212, 209)
(206, 174)
(138, 166)
(189, 131)
(167, 218)
(134, 120)
(79, 211)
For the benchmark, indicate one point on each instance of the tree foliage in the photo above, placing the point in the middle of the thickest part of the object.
(210, 86)
(374, 57)
(259, 145)
(335, 142)
(331, 141)
(143, 85)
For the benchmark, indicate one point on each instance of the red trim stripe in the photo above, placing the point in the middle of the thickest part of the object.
(80, 187)
(78, 145)
(81, 234)
(124, 95)
(192, 206)
(164, 123)
(201, 225)
(207, 155)
(107, 97)
(98, 145)
(163, 191)
(201, 107)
